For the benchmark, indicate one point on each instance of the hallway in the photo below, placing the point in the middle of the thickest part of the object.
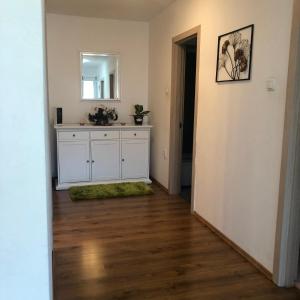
(147, 248)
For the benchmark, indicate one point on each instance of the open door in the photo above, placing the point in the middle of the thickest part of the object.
(177, 109)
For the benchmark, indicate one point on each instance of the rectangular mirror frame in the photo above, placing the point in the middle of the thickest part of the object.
(118, 77)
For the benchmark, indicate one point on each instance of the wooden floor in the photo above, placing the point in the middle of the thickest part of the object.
(147, 248)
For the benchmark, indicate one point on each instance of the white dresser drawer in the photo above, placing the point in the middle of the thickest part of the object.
(135, 134)
(105, 135)
(73, 135)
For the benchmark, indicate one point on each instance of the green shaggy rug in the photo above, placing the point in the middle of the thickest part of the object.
(114, 190)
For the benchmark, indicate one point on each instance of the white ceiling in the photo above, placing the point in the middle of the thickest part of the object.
(136, 10)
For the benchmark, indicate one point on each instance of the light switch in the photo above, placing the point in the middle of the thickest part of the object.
(165, 155)
(271, 84)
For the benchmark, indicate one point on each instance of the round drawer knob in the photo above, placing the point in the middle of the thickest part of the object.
(123, 159)
(87, 161)
(135, 134)
(93, 161)
(105, 134)
(74, 135)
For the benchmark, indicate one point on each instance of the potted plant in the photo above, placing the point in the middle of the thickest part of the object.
(103, 116)
(139, 114)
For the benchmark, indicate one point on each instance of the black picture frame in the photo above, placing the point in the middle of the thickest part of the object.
(233, 77)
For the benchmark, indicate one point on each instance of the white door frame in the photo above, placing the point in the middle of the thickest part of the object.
(288, 221)
(177, 101)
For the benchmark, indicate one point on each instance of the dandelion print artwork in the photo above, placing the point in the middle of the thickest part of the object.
(234, 55)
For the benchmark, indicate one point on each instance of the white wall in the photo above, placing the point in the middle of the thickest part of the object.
(240, 125)
(25, 199)
(68, 35)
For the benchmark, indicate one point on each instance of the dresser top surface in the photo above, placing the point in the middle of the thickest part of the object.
(95, 127)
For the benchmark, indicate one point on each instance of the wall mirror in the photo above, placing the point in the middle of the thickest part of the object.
(100, 78)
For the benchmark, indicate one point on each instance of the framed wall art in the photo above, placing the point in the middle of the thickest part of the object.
(235, 55)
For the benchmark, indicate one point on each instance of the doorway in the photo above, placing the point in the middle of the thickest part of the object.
(188, 118)
(184, 97)
(112, 86)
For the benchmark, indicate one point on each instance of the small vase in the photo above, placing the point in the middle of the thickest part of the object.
(138, 120)
(102, 122)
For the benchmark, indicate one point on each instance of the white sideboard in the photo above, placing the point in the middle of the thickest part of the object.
(102, 154)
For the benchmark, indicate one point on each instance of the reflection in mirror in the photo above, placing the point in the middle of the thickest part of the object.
(100, 76)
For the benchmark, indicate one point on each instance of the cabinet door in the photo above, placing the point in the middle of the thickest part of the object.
(135, 159)
(105, 160)
(74, 161)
